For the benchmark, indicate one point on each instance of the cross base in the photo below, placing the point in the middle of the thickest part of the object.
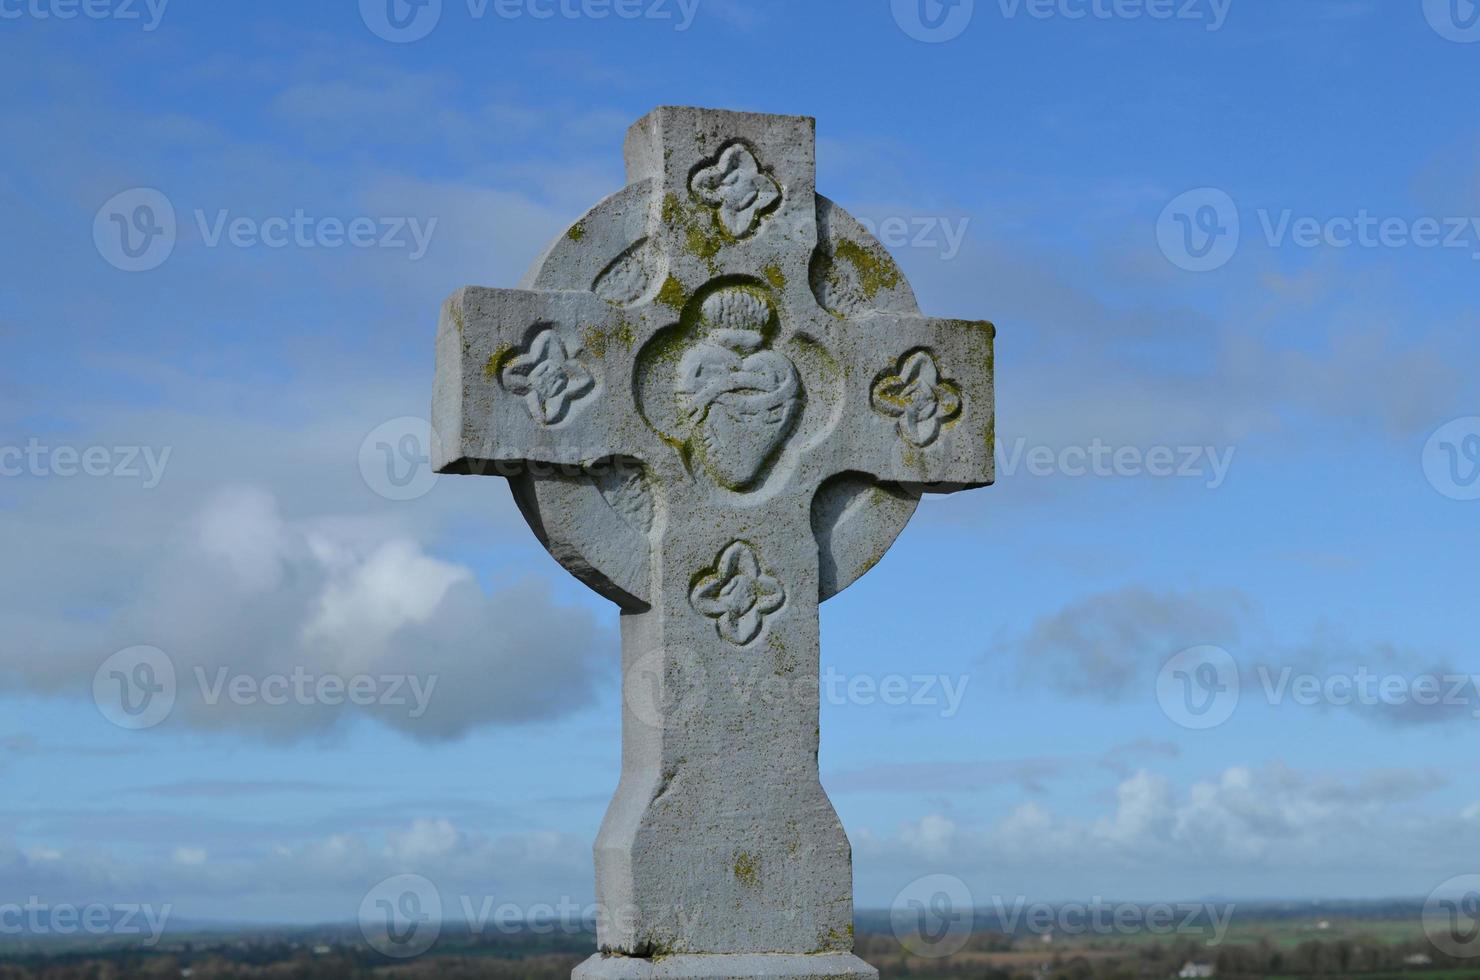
(741, 966)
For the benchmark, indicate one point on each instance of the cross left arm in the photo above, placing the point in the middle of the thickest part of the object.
(534, 377)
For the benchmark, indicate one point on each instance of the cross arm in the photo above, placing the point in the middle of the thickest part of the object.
(531, 377)
(920, 401)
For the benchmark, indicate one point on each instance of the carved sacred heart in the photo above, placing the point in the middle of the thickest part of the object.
(741, 398)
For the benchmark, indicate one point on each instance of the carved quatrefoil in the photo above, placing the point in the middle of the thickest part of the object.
(737, 188)
(918, 397)
(548, 377)
(738, 595)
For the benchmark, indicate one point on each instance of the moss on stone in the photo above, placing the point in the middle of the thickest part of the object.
(747, 870)
(673, 294)
(577, 231)
(875, 272)
(818, 359)
(624, 334)
(655, 949)
(594, 340)
(667, 347)
(497, 360)
(776, 277)
(700, 244)
(782, 664)
(834, 941)
(672, 210)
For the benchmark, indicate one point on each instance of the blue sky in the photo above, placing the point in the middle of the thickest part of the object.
(1059, 148)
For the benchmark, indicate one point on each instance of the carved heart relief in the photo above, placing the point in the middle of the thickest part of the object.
(741, 398)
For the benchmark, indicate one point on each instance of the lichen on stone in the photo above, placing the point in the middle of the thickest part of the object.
(747, 870)
(874, 272)
(673, 295)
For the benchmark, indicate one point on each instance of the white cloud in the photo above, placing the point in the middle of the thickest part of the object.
(190, 855)
(320, 880)
(425, 840)
(1223, 835)
(1142, 812)
(245, 592)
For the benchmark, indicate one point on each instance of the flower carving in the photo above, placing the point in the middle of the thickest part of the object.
(918, 397)
(548, 377)
(736, 186)
(737, 595)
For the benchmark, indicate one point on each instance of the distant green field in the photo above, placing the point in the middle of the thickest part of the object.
(1285, 942)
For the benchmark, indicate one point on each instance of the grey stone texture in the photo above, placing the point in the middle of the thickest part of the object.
(718, 404)
(731, 966)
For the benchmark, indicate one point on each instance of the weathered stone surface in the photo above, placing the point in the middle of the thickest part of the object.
(718, 404)
(743, 966)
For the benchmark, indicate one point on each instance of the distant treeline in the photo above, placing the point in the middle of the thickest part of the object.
(988, 956)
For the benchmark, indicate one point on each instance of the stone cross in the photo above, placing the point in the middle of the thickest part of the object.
(718, 404)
